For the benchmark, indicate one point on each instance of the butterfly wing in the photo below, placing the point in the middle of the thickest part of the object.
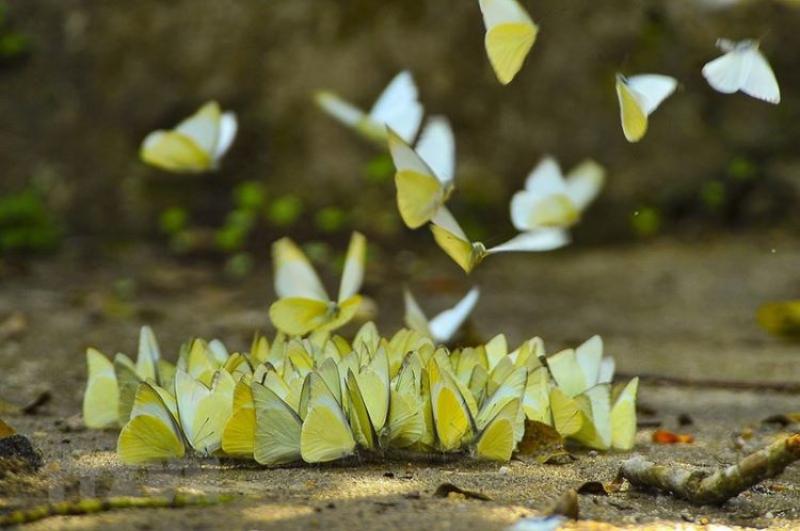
(419, 192)
(353, 273)
(228, 125)
(534, 241)
(326, 434)
(652, 89)
(725, 73)
(760, 81)
(398, 107)
(632, 112)
(294, 275)
(437, 148)
(277, 434)
(451, 239)
(175, 152)
(152, 433)
(623, 417)
(101, 398)
(584, 183)
(510, 34)
(444, 326)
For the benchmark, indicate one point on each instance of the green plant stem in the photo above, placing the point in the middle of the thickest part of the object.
(99, 505)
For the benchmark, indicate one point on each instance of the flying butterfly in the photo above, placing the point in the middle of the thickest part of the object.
(195, 145)
(304, 305)
(743, 68)
(510, 34)
(443, 327)
(638, 97)
(424, 176)
(468, 254)
(397, 107)
(552, 200)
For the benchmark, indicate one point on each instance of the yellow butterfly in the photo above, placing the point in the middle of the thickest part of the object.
(304, 305)
(467, 254)
(397, 107)
(452, 416)
(510, 34)
(623, 417)
(152, 433)
(203, 411)
(424, 177)
(111, 388)
(638, 97)
(551, 200)
(195, 145)
(326, 434)
(497, 441)
(238, 437)
(278, 426)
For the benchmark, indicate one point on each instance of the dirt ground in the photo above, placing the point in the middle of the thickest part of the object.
(679, 309)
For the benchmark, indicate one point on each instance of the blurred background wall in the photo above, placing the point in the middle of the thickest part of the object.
(83, 81)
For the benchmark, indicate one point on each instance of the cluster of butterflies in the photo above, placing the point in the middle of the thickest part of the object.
(321, 398)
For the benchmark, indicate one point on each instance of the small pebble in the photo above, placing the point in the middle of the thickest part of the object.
(504, 471)
(593, 453)
(769, 515)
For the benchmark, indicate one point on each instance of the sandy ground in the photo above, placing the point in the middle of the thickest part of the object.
(680, 309)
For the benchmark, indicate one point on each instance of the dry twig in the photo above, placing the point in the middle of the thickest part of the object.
(703, 488)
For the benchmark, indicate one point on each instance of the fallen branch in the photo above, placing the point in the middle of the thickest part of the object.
(703, 488)
(99, 505)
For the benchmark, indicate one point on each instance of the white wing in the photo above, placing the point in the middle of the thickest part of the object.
(415, 318)
(353, 273)
(203, 127)
(607, 367)
(503, 11)
(294, 275)
(444, 218)
(447, 323)
(760, 81)
(724, 74)
(652, 89)
(228, 126)
(437, 148)
(539, 240)
(522, 204)
(398, 106)
(546, 178)
(589, 357)
(339, 108)
(585, 182)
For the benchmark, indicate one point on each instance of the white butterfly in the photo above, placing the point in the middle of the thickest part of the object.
(638, 97)
(744, 68)
(397, 107)
(195, 145)
(551, 200)
(443, 326)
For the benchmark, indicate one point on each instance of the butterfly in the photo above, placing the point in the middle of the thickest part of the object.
(204, 410)
(467, 254)
(153, 432)
(638, 97)
(195, 145)
(304, 305)
(111, 386)
(326, 434)
(551, 200)
(424, 177)
(510, 34)
(742, 68)
(443, 327)
(397, 107)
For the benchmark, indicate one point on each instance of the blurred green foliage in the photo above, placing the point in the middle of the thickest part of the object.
(13, 45)
(26, 225)
(330, 219)
(380, 169)
(285, 210)
(646, 222)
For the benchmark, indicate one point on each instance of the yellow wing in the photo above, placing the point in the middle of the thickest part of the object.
(373, 381)
(239, 435)
(299, 316)
(632, 114)
(537, 396)
(152, 433)
(623, 417)
(497, 441)
(326, 435)
(101, 398)
(204, 411)
(175, 152)
(406, 423)
(507, 46)
(451, 416)
(277, 435)
(568, 419)
(362, 428)
(419, 196)
(128, 383)
(457, 248)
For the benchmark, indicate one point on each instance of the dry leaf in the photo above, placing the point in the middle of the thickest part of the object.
(668, 437)
(6, 430)
(593, 487)
(541, 442)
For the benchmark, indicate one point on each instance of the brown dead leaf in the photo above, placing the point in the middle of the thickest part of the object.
(668, 437)
(595, 488)
(6, 430)
(542, 443)
(447, 490)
